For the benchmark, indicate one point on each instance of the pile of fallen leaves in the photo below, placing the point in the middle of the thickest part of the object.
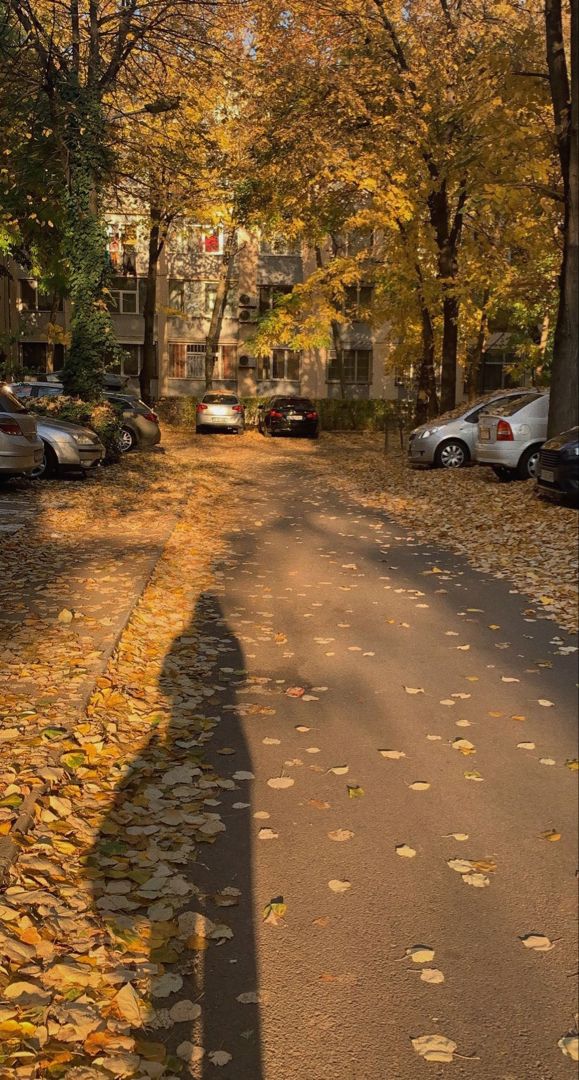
(98, 917)
(502, 529)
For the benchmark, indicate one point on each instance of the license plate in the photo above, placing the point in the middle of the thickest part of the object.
(548, 475)
(294, 416)
(485, 434)
(220, 410)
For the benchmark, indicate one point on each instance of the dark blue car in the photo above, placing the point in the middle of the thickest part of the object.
(558, 472)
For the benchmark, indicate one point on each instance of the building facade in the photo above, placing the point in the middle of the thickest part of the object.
(187, 280)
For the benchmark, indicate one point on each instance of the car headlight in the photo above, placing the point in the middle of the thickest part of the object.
(84, 440)
(427, 433)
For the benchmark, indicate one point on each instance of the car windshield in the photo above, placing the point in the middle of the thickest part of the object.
(509, 408)
(220, 399)
(294, 402)
(9, 403)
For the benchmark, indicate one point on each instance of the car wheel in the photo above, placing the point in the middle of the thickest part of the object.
(504, 474)
(128, 440)
(528, 466)
(48, 466)
(452, 454)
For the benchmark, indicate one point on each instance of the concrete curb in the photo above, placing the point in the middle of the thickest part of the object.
(10, 845)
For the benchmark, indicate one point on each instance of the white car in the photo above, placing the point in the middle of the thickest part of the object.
(510, 436)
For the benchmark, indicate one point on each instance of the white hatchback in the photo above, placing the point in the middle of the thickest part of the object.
(511, 435)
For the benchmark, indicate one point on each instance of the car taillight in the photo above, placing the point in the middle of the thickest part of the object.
(238, 408)
(201, 407)
(275, 414)
(311, 416)
(152, 416)
(10, 427)
(504, 432)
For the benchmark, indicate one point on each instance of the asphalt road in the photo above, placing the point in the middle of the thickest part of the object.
(320, 595)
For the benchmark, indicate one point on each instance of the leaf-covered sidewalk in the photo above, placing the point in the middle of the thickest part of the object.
(78, 966)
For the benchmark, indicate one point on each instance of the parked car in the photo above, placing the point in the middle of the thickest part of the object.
(140, 425)
(220, 410)
(21, 449)
(286, 415)
(67, 447)
(558, 475)
(510, 436)
(448, 442)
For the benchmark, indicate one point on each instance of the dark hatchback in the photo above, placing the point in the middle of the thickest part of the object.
(558, 471)
(286, 415)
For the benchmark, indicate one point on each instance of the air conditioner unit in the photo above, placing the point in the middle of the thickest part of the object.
(245, 300)
(247, 362)
(247, 315)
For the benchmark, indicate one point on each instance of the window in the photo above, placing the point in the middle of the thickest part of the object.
(130, 361)
(360, 241)
(124, 296)
(356, 364)
(285, 366)
(187, 361)
(357, 301)
(278, 245)
(33, 299)
(269, 295)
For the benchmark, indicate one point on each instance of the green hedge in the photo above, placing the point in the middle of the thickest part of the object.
(335, 414)
(100, 416)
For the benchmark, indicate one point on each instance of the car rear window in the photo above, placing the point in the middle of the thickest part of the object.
(221, 399)
(294, 402)
(9, 403)
(509, 408)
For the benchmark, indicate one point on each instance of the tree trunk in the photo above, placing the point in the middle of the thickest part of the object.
(448, 236)
(149, 367)
(50, 332)
(336, 328)
(475, 355)
(226, 267)
(426, 396)
(564, 403)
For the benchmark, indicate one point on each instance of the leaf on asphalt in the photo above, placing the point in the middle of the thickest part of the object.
(275, 911)
(464, 746)
(432, 975)
(280, 782)
(476, 880)
(546, 703)
(573, 764)
(448, 701)
(457, 835)
(509, 678)
(434, 738)
(550, 834)
(249, 998)
(414, 689)
(537, 942)
(473, 774)
(338, 885)
(302, 728)
(339, 770)
(435, 1048)
(184, 1010)
(242, 774)
(295, 691)
(190, 1053)
(271, 742)
(569, 1045)
(313, 750)
(164, 985)
(65, 616)
(393, 755)
(547, 761)
(340, 835)
(404, 851)
(355, 791)
(267, 834)
(219, 1057)
(526, 746)
(420, 954)
(419, 785)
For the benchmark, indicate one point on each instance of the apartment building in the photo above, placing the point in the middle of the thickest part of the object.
(187, 279)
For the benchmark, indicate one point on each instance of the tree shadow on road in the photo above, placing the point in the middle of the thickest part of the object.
(152, 867)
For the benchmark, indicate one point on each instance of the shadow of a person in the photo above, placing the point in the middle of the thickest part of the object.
(171, 872)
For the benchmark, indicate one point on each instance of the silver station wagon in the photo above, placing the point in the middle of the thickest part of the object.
(448, 442)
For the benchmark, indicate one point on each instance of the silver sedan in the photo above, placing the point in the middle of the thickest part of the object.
(448, 442)
(220, 410)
